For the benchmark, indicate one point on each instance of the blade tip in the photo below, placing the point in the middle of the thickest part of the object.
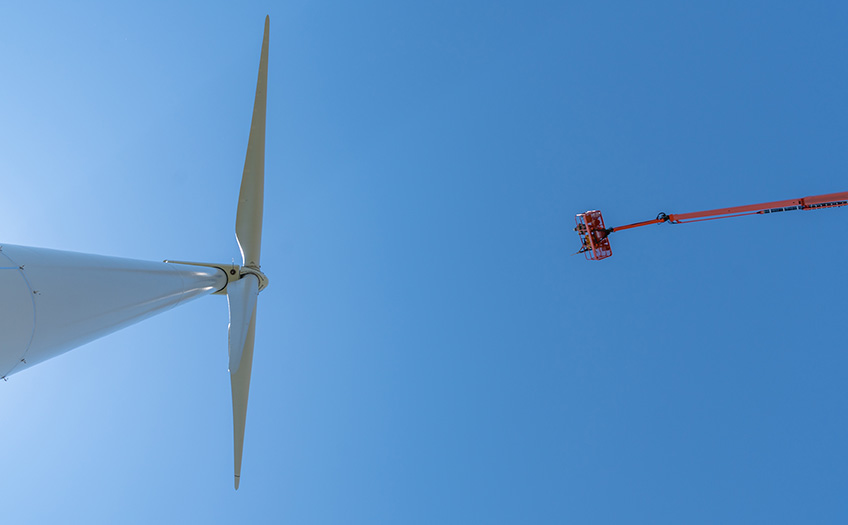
(236, 482)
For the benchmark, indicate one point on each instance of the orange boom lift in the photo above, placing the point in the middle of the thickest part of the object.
(594, 236)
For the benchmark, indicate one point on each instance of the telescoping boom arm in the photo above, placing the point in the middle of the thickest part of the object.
(594, 236)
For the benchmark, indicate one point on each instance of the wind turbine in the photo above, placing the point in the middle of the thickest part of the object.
(53, 301)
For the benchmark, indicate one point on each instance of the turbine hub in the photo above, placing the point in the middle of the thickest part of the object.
(253, 270)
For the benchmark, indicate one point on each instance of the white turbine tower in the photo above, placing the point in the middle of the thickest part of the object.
(53, 301)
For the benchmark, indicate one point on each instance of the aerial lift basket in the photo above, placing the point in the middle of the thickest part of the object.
(593, 235)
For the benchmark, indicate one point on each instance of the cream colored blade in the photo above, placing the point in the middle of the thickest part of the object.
(240, 384)
(241, 298)
(249, 215)
(249, 237)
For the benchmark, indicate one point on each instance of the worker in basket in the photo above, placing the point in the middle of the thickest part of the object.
(590, 237)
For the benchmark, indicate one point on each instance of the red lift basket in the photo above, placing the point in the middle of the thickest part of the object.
(593, 235)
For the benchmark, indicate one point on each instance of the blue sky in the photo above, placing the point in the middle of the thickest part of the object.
(428, 350)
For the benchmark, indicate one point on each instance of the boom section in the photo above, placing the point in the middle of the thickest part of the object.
(830, 200)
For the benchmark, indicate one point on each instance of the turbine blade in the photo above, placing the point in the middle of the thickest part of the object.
(249, 215)
(240, 384)
(241, 297)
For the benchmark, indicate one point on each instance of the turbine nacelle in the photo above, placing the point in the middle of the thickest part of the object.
(233, 271)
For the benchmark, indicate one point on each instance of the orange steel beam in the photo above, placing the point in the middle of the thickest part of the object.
(637, 224)
(829, 200)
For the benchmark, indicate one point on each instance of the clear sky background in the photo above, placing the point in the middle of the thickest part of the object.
(428, 350)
